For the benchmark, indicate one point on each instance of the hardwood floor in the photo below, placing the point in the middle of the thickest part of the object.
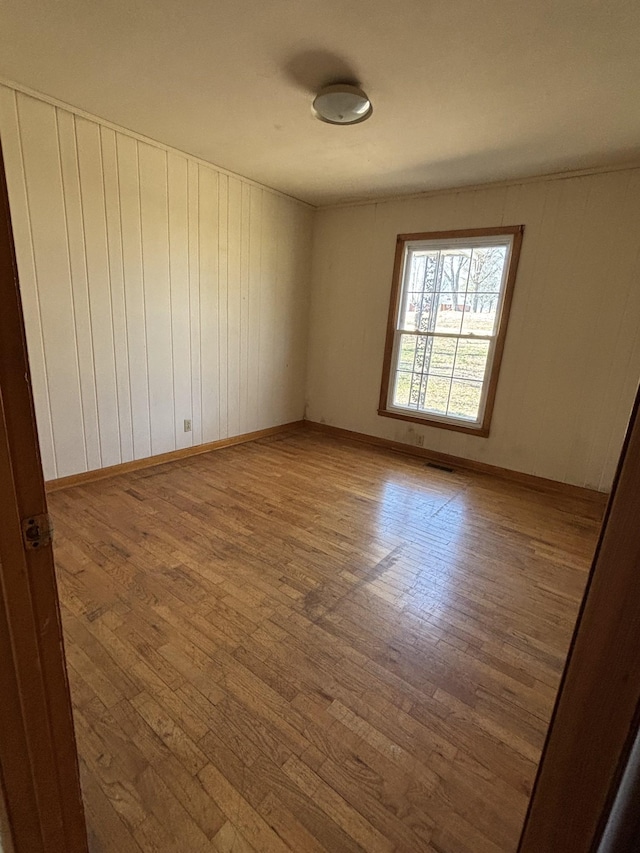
(306, 644)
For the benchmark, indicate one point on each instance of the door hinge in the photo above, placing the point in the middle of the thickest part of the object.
(37, 531)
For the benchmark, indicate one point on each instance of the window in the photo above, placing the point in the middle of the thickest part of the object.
(447, 324)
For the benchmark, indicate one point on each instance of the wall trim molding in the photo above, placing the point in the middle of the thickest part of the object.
(469, 465)
(567, 175)
(163, 458)
(119, 128)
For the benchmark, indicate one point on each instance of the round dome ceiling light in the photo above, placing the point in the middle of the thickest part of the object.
(342, 104)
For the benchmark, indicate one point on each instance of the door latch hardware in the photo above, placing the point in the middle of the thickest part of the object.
(37, 531)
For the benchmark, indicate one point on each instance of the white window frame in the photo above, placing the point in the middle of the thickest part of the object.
(408, 244)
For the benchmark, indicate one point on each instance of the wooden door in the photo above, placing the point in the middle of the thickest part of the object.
(38, 757)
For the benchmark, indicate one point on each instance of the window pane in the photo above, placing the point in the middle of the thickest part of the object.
(487, 265)
(443, 351)
(407, 352)
(414, 390)
(401, 390)
(423, 351)
(448, 316)
(436, 395)
(481, 313)
(471, 359)
(454, 270)
(483, 292)
(420, 282)
(418, 310)
(422, 271)
(426, 314)
(464, 401)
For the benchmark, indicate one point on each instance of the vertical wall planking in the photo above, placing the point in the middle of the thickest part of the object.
(16, 180)
(129, 186)
(116, 274)
(276, 343)
(253, 318)
(233, 297)
(194, 298)
(291, 242)
(267, 324)
(42, 169)
(144, 291)
(178, 213)
(157, 295)
(245, 249)
(79, 285)
(280, 337)
(209, 323)
(98, 271)
(223, 303)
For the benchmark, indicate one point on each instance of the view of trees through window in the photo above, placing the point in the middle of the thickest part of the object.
(447, 322)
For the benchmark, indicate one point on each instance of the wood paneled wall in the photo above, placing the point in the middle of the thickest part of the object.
(156, 289)
(572, 357)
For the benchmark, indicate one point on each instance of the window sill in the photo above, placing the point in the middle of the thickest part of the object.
(481, 432)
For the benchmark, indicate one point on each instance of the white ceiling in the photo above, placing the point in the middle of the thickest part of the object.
(464, 91)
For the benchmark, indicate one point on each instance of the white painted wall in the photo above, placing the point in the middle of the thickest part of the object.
(155, 289)
(572, 358)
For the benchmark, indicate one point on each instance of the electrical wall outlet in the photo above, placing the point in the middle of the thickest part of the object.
(419, 440)
(187, 425)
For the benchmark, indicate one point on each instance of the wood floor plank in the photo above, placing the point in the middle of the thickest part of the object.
(243, 816)
(230, 840)
(189, 791)
(308, 645)
(107, 831)
(287, 826)
(170, 733)
(307, 811)
(336, 807)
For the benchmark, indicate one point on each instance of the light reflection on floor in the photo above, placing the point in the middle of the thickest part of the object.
(427, 524)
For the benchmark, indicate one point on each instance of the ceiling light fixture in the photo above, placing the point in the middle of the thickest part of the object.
(342, 104)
